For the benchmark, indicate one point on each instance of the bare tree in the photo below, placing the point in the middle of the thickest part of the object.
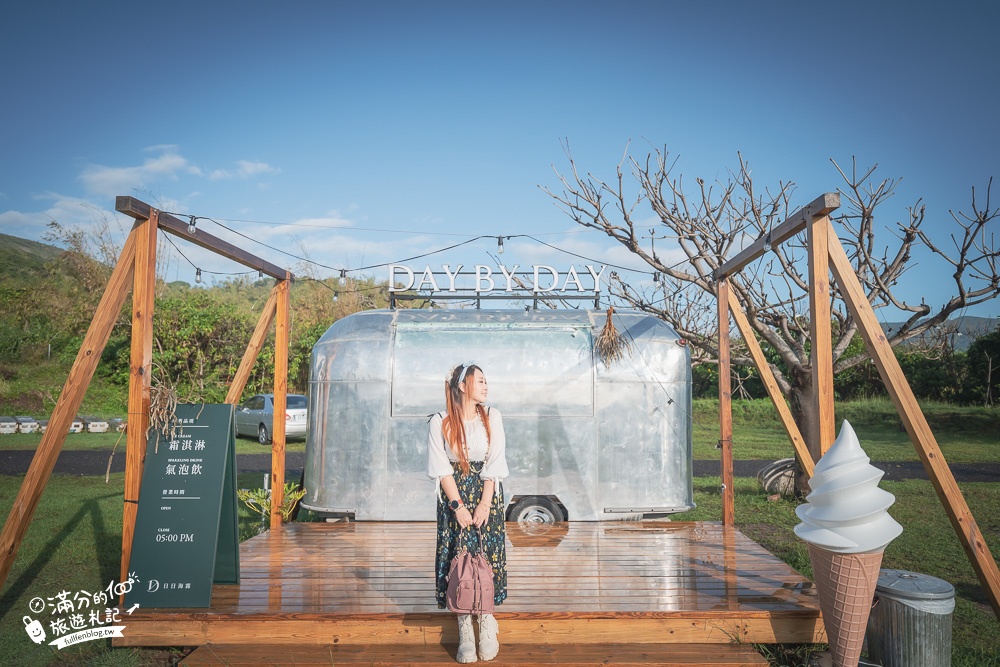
(696, 230)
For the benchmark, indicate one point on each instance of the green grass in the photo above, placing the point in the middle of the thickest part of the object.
(965, 434)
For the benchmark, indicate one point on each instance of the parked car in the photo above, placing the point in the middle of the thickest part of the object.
(8, 425)
(256, 417)
(42, 425)
(26, 424)
(77, 425)
(117, 423)
(95, 425)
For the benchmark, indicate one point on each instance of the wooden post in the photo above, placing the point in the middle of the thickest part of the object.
(916, 425)
(725, 406)
(791, 428)
(280, 400)
(253, 349)
(821, 353)
(66, 408)
(140, 369)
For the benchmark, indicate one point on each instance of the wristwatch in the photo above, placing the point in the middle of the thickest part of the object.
(455, 505)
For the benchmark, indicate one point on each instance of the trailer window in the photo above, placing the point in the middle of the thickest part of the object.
(532, 371)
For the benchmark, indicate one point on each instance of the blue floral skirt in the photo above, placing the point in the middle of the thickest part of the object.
(450, 536)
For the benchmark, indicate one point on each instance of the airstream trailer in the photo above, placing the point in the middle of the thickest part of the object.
(585, 441)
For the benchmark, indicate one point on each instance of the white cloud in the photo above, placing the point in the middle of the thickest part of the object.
(244, 169)
(67, 211)
(112, 181)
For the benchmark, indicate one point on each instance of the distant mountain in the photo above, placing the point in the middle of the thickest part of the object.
(960, 330)
(19, 256)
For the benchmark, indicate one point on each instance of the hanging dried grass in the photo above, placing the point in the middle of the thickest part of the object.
(611, 345)
(162, 408)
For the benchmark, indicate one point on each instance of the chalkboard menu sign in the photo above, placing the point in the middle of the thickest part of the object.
(186, 532)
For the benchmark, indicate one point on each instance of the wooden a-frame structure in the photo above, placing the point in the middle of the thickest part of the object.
(136, 267)
(826, 254)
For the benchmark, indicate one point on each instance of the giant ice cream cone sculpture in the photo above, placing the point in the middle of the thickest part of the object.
(847, 527)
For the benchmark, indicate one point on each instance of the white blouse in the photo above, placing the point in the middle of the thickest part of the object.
(440, 457)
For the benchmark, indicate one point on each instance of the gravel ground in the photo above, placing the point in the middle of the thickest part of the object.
(16, 462)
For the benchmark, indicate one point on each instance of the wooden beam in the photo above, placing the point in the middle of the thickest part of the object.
(725, 406)
(819, 207)
(821, 351)
(66, 408)
(140, 370)
(771, 384)
(969, 534)
(281, 334)
(254, 347)
(141, 211)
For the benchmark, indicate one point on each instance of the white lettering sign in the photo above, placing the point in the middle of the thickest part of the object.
(541, 278)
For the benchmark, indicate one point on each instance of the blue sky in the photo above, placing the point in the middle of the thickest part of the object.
(439, 121)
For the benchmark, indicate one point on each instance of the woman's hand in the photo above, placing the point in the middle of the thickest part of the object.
(463, 516)
(481, 515)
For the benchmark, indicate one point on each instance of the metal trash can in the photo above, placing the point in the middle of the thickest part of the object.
(910, 621)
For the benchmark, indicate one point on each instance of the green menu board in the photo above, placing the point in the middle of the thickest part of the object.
(186, 532)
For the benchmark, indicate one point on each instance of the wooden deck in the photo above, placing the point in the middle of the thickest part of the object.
(365, 584)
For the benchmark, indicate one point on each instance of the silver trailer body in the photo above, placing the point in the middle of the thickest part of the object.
(602, 442)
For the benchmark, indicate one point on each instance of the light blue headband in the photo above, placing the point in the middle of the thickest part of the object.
(465, 369)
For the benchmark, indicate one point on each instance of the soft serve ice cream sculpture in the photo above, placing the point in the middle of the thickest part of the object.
(847, 527)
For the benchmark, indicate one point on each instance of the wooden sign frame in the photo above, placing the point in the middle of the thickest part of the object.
(137, 266)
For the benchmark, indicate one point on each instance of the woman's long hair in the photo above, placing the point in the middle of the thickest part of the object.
(453, 426)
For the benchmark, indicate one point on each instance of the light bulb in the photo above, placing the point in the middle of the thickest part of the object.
(500, 245)
(191, 225)
(197, 276)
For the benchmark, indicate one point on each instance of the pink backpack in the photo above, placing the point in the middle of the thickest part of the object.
(470, 583)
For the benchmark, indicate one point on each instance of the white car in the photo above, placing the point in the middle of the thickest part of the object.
(256, 417)
(26, 424)
(95, 425)
(8, 425)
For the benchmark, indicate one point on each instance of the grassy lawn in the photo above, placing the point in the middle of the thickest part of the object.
(965, 434)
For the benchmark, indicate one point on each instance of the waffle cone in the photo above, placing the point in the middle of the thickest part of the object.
(846, 585)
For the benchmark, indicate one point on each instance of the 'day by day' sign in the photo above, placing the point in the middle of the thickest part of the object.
(541, 278)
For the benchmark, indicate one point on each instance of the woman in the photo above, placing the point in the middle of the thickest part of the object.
(466, 457)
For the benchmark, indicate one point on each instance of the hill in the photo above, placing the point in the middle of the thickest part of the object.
(18, 256)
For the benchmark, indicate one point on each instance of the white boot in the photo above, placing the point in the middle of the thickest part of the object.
(489, 645)
(466, 639)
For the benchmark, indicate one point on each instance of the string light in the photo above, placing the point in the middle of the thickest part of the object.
(197, 275)
(191, 225)
(500, 245)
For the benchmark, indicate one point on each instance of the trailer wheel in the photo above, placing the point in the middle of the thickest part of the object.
(536, 510)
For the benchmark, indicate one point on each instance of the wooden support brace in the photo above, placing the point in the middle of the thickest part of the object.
(821, 352)
(66, 407)
(771, 384)
(140, 370)
(725, 406)
(254, 347)
(281, 334)
(916, 425)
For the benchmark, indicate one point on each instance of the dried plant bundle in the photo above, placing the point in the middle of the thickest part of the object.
(611, 345)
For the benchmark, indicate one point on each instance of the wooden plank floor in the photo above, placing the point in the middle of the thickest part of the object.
(358, 583)
(565, 655)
